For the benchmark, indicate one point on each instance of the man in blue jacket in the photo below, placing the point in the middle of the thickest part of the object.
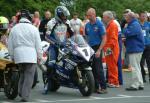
(146, 54)
(135, 47)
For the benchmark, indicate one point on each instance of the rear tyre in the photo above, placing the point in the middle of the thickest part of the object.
(11, 88)
(54, 85)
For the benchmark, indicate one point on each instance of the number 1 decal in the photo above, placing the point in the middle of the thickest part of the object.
(85, 51)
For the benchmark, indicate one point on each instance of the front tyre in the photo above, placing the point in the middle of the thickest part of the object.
(87, 86)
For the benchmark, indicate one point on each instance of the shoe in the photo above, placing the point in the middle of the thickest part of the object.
(45, 92)
(19, 94)
(112, 86)
(37, 81)
(141, 88)
(102, 91)
(144, 80)
(23, 100)
(131, 89)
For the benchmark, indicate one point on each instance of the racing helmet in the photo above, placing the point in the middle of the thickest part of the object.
(61, 11)
(4, 24)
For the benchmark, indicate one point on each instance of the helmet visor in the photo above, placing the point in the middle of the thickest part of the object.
(4, 26)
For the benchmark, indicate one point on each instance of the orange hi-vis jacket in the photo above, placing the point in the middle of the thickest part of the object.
(112, 58)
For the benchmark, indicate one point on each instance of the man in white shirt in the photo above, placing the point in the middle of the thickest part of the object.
(76, 24)
(24, 48)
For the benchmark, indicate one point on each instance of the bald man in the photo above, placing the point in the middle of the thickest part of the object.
(95, 32)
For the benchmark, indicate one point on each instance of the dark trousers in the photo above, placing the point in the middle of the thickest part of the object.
(42, 37)
(98, 71)
(120, 62)
(145, 56)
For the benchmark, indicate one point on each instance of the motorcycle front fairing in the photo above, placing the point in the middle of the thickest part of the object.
(4, 57)
(82, 52)
(64, 71)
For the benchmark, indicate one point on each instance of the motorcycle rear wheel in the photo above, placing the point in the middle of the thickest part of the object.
(54, 86)
(52, 82)
(87, 86)
(11, 88)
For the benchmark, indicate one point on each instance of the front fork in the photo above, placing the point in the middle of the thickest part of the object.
(79, 73)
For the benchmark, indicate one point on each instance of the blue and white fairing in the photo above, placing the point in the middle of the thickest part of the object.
(81, 48)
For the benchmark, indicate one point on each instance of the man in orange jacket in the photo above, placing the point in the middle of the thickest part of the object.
(111, 49)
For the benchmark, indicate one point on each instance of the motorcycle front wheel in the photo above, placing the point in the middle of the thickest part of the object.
(11, 86)
(87, 86)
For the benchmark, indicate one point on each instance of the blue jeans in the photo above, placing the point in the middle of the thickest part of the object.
(53, 54)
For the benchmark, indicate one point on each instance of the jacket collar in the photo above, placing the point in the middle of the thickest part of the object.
(24, 20)
(133, 20)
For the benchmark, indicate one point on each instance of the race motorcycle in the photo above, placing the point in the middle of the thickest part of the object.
(9, 74)
(43, 64)
(73, 67)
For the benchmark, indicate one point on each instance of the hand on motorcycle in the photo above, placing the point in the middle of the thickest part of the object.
(58, 44)
(97, 54)
(38, 60)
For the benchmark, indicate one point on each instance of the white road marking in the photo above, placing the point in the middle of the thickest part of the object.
(121, 95)
(86, 99)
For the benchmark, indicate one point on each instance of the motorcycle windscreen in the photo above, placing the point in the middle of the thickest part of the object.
(82, 47)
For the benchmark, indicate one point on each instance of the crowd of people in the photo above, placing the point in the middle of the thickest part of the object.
(23, 34)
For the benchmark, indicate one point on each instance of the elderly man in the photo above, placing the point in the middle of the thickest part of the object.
(111, 49)
(24, 46)
(135, 48)
(95, 31)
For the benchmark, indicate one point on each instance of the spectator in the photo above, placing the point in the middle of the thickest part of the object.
(135, 48)
(111, 49)
(43, 25)
(24, 48)
(85, 21)
(126, 58)
(76, 24)
(146, 54)
(13, 22)
(120, 50)
(36, 19)
(95, 32)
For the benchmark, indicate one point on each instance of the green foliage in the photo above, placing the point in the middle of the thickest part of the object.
(10, 7)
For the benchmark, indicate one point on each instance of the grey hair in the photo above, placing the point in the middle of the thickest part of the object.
(109, 14)
(131, 14)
